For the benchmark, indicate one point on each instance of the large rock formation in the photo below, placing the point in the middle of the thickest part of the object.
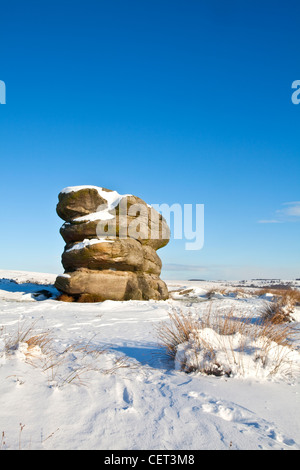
(111, 242)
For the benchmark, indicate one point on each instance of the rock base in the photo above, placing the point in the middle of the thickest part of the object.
(112, 285)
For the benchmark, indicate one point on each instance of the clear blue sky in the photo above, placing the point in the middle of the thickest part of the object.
(174, 101)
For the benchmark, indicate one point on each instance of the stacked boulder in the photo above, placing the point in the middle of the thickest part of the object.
(111, 242)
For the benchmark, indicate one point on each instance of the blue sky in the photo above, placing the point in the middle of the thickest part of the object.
(173, 101)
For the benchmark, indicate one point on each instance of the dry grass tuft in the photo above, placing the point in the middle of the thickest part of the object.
(177, 331)
(226, 291)
(215, 290)
(288, 295)
(71, 365)
(277, 313)
(35, 343)
(280, 309)
(3, 441)
(234, 338)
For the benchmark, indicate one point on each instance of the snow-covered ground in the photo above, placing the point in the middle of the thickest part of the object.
(103, 382)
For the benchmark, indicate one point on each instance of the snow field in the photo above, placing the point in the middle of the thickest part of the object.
(110, 386)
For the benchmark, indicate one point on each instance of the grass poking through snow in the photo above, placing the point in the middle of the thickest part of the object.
(228, 345)
(70, 365)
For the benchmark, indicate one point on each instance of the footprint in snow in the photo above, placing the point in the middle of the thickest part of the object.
(127, 400)
(216, 407)
(224, 412)
(242, 416)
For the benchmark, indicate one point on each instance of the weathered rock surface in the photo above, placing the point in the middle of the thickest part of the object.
(79, 203)
(150, 228)
(121, 254)
(111, 242)
(152, 263)
(113, 285)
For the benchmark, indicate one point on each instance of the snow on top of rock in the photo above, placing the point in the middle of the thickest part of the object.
(113, 198)
(94, 216)
(87, 242)
(73, 189)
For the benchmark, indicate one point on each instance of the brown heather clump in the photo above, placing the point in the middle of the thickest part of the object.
(277, 312)
(65, 298)
(83, 298)
(89, 298)
(287, 295)
(280, 309)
